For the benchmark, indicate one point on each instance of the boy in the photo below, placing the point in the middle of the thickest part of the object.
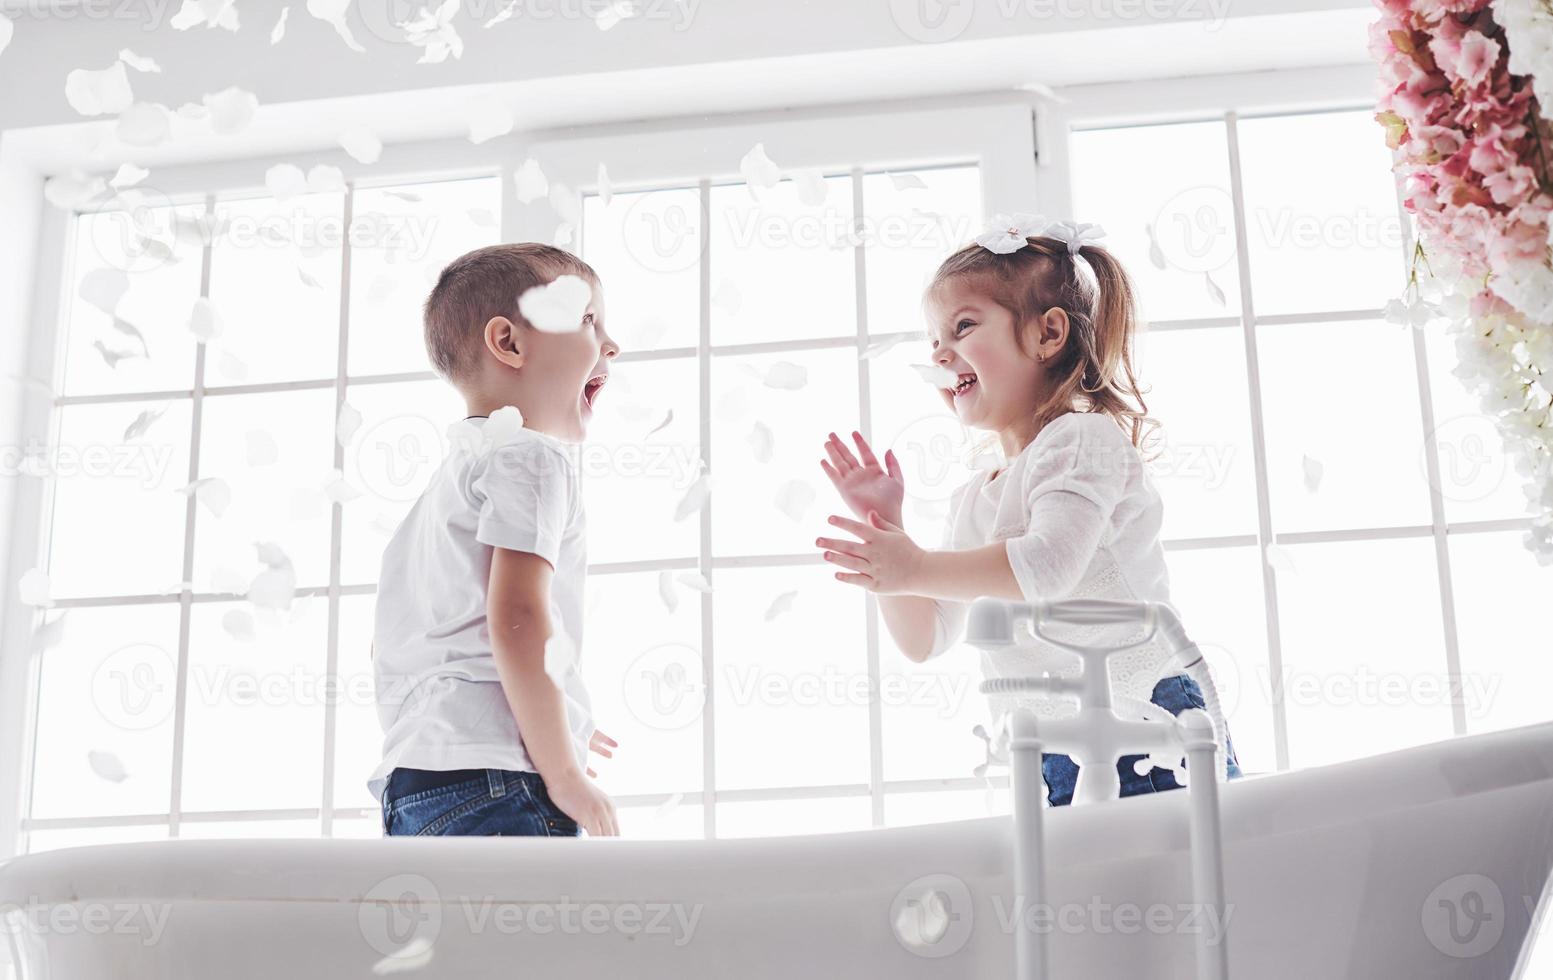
(485, 576)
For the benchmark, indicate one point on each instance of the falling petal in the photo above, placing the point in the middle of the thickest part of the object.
(99, 93)
(604, 190)
(104, 288)
(73, 191)
(415, 955)
(811, 186)
(728, 298)
(362, 144)
(143, 124)
(276, 586)
(227, 581)
(662, 425)
(694, 580)
(211, 13)
(239, 625)
(780, 605)
(907, 182)
(488, 118)
(667, 591)
(232, 367)
(333, 12)
(694, 498)
(1214, 292)
(560, 657)
(409, 196)
(668, 806)
(262, 449)
(481, 217)
(531, 182)
(1279, 558)
(324, 179)
(339, 490)
(432, 31)
(758, 169)
(204, 322)
(137, 62)
(924, 921)
(794, 499)
(213, 492)
(385, 524)
(7, 29)
(112, 357)
(504, 427)
(937, 375)
(107, 765)
(128, 175)
(762, 442)
(1314, 470)
(881, 346)
(231, 110)
(347, 423)
(504, 13)
(558, 306)
(49, 634)
(615, 12)
(1156, 254)
(34, 588)
(142, 423)
(279, 30)
(786, 376)
(563, 235)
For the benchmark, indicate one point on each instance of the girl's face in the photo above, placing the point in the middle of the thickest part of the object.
(999, 383)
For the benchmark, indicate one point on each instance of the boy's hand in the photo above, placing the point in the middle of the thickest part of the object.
(585, 803)
(886, 561)
(864, 486)
(601, 743)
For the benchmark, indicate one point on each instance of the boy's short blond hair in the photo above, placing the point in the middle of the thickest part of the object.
(483, 284)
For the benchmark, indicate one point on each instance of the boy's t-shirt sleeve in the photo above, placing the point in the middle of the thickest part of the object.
(524, 494)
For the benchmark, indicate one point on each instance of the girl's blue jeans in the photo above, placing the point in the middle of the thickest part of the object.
(471, 803)
(1175, 694)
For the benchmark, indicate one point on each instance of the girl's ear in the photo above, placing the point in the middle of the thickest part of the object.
(501, 339)
(1051, 332)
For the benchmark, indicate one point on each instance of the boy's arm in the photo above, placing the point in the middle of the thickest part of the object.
(518, 614)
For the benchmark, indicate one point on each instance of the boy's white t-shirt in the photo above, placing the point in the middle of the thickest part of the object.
(439, 698)
(1081, 519)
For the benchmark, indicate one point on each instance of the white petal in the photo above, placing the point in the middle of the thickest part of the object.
(504, 427)
(1214, 292)
(811, 186)
(128, 175)
(604, 189)
(758, 169)
(937, 375)
(107, 765)
(263, 450)
(137, 62)
(415, 955)
(324, 179)
(668, 806)
(794, 498)
(504, 13)
(530, 181)
(694, 498)
(558, 306)
(213, 492)
(73, 191)
(285, 181)
(481, 217)
(362, 144)
(560, 657)
(276, 586)
(488, 118)
(880, 346)
(762, 442)
(614, 13)
(780, 605)
(348, 422)
(211, 13)
(239, 625)
(333, 12)
(1280, 559)
(279, 30)
(49, 634)
(99, 93)
(104, 288)
(339, 490)
(232, 367)
(662, 425)
(142, 423)
(143, 124)
(112, 357)
(667, 591)
(1313, 473)
(7, 29)
(907, 182)
(33, 587)
(786, 376)
(728, 298)
(307, 279)
(694, 580)
(204, 322)
(231, 110)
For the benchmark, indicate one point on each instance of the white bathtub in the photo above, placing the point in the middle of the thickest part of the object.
(1344, 871)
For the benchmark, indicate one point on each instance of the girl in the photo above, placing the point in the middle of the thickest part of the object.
(1032, 329)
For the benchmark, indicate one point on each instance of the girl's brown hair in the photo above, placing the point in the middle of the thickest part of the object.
(1093, 371)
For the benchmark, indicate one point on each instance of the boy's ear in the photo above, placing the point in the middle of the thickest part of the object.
(502, 340)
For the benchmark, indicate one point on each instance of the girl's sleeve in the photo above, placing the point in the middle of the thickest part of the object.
(1071, 493)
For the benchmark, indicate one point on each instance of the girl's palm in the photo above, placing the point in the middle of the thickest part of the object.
(863, 484)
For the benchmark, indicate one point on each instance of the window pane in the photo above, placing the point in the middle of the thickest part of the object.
(162, 286)
(642, 667)
(1364, 669)
(943, 806)
(928, 712)
(247, 829)
(124, 492)
(1478, 481)
(677, 821)
(275, 285)
(1322, 229)
(754, 504)
(357, 828)
(390, 459)
(909, 231)
(781, 269)
(1506, 671)
(1171, 183)
(634, 472)
(358, 736)
(106, 705)
(254, 732)
(792, 691)
(401, 237)
(275, 451)
(1343, 396)
(788, 818)
(39, 841)
(1218, 592)
(646, 247)
(1205, 471)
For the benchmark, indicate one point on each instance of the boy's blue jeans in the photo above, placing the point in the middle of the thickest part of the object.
(1175, 694)
(471, 803)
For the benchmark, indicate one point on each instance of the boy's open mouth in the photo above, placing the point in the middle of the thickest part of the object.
(967, 382)
(590, 391)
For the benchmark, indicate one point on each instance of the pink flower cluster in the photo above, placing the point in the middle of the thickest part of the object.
(1466, 137)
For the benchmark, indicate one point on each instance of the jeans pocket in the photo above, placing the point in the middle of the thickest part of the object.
(427, 812)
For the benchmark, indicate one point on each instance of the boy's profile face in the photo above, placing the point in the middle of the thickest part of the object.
(565, 372)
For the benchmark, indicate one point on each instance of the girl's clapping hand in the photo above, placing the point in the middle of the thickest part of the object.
(863, 484)
(885, 561)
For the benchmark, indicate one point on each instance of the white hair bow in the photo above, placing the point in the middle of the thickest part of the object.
(1075, 234)
(1007, 233)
